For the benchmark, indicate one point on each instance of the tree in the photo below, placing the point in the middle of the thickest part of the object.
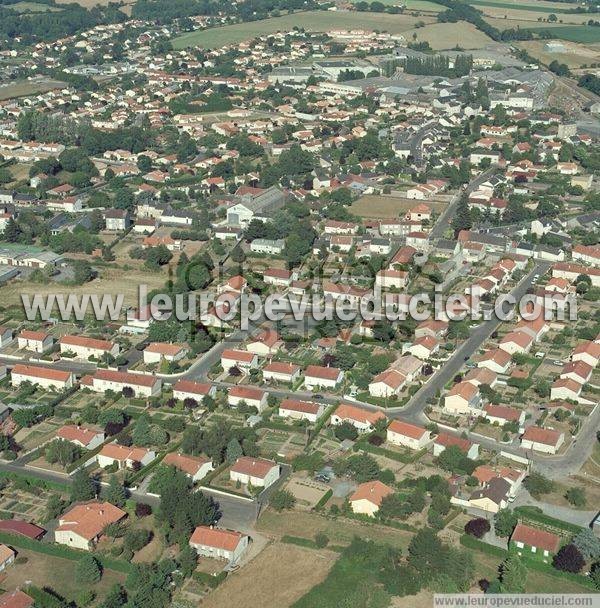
(455, 460)
(83, 487)
(321, 540)
(282, 499)
(477, 527)
(54, 506)
(588, 544)
(462, 220)
(115, 492)
(142, 432)
(346, 430)
(187, 560)
(513, 575)
(234, 451)
(569, 559)
(595, 575)
(82, 272)
(504, 522)
(87, 570)
(576, 496)
(537, 485)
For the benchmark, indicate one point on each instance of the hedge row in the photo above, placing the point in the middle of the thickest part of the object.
(323, 500)
(63, 551)
(36, 482)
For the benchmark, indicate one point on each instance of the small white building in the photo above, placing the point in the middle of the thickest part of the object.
(317, 376)
(408, 435)
(42, 376)
(547, 441)
(259, 472)
(300, 410)
(219, 544)
(195, 467)
(37, 341)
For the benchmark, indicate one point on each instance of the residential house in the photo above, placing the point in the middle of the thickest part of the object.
(254, 397)
(362, 420)
(317, 376)
(266, 343)
(258, 472)
(408, 435)
(462, 398)
(125, 457)
(80, 436)
(367, 498)
(542, 440)
(84, 348)
(82, 526)
(187, 389)
(280, 371)
(219, 544)
(241, 359)
(42, 376)
(16, 599)
(195, 467)
(526, 540)
(156, 352)
(444, 440)
(37, 341)
(104, 380)
(300, 410)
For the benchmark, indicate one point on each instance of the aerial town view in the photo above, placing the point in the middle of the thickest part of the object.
(299, 303)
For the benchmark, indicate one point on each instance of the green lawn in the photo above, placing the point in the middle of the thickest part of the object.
(352, 582)
(318, 21)
(574, 33)
(538, 8)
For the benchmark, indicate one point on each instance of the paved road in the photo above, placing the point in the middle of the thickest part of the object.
(443, 221)
(573, 516)
(77, 367)
(413, 410)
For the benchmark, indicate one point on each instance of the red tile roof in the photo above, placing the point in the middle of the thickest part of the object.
(15, 599)
(408, 430)
(534, 537)
(325, 373)
(70, 432)
(47, 373)
(246, 392)
(280, 367)
(88, 520)
(447, 440)
(238, 355)
(504, 412)
(163, 348)
(86, 342)
(40, 336)
(188, 386)
(306, 407)
(125, 378)
(540, 435)
(254, 467)
(373, 491)
(346, 411)
(218, 539)
(188, 464)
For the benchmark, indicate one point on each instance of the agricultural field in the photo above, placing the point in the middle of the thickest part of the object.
(575, 55)
(316, 21)
(575, 33)
(508, 16)
(276, 578)
(111, 280)
(21, 88)
(415, 5)
(441, 37)
(33, 7)
(539, 7)
(375, 206)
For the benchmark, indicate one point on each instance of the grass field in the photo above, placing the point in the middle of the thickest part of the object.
(507, 17)
(34, 7)
(375, 206)
(538, 7)
(414, 5)
(44, 570)
(442, 36)
(316, 21)
(574, 33)
(20, 88)
(276, 578)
